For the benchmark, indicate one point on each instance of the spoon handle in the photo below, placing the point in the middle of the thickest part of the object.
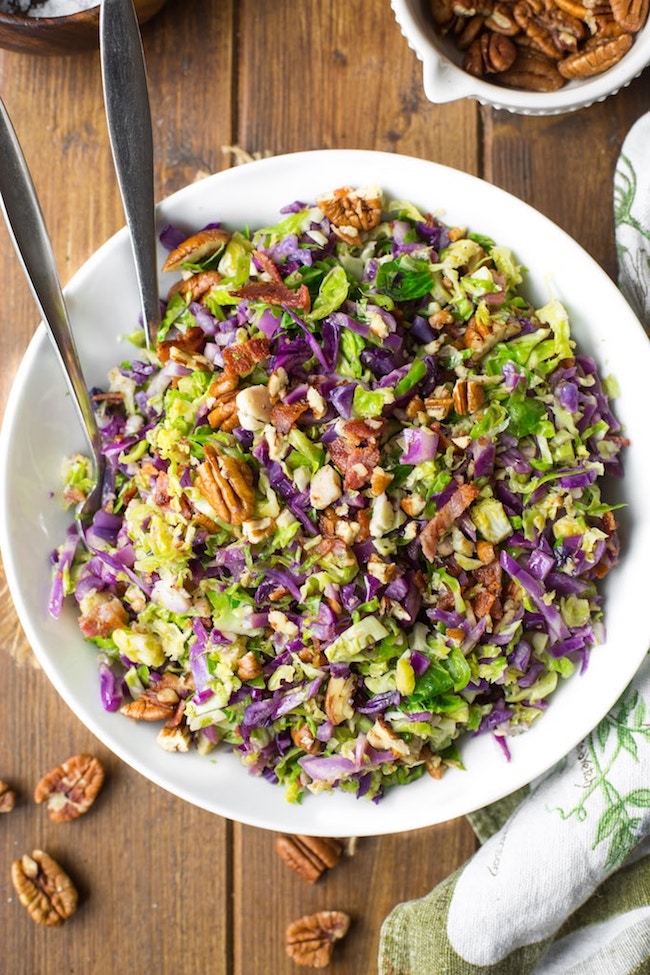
(30, 237)
(128, 115)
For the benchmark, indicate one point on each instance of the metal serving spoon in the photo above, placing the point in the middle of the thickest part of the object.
(27, 228)
(128, 114)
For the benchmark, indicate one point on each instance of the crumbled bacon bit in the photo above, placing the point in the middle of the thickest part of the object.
(284, 415)
(356, 463)
(241, 358)
(266, 264)
(276, 293)
(442, 521)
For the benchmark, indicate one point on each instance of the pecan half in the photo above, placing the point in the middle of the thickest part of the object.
(197, 248)
(350, 210)
(44, 888)
(594, 59)
(630, 14)
(227, 485)
(7, 797)
(468, 396)
(490, 53)
(71, 788)
(160, 701)
(309, 856)
(196, 287)
(310, 939)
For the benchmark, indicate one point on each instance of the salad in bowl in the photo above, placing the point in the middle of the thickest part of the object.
(352, 511)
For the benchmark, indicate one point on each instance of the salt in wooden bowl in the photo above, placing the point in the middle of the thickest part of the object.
(61, 34)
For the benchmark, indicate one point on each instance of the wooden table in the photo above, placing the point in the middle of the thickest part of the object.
(165, 887)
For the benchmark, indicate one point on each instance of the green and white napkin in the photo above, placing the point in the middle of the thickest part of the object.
(561, 883)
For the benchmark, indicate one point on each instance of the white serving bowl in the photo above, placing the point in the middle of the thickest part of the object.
(40, 428)
(445, 80)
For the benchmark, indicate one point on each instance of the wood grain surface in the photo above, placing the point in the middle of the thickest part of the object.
(166, 887)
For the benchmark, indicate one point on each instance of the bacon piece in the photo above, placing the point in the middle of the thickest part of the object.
(242, 357)
(284, 415)
(101, 614)
(442, 521)
(276, 293)
(361, 431)
(268, 266)
(356, 463)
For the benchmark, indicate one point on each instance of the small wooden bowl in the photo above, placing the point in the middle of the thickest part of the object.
(61, 35)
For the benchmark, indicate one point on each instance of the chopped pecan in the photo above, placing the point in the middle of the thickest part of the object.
(174, 737)
(7, 797)
(197, 248)
(248, 666)
(284, 415)
(485, 551)
(224, 415)
(71, 788)
(309, 856)
(630, 14)
(302, 737)
(350, 210)
(227, 484)
(223, 384)
(383, 738)
(480, 337)
(310, 939)
(44, 888)
(276, 293)
(241, 358)
(594, 59)
(196, 287)
(190, 341)
(338, 699)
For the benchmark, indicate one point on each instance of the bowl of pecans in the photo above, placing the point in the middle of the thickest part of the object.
(57, 26)
(532, 57)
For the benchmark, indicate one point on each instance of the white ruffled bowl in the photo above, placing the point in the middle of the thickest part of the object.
(446, 81)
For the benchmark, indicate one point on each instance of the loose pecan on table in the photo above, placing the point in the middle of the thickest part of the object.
(70, 789)
(310, 939)
(44, 888)
(309, 856)
(7, 797)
